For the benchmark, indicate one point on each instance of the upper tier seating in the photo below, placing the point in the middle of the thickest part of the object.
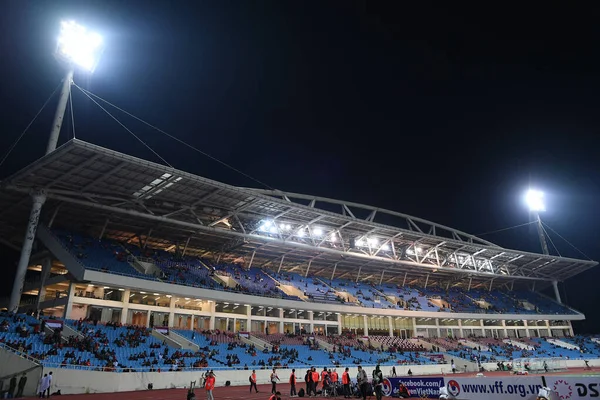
(110, 256)
(312, 287)
(367, 295)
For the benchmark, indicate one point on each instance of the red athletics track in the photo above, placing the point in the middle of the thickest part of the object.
(242, 392)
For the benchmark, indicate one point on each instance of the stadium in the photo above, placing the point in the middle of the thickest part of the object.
(206, 271)
(135, 276)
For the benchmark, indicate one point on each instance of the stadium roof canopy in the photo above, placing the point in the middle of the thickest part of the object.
(100, 191)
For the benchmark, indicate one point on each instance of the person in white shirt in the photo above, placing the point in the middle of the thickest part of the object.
(43, 386)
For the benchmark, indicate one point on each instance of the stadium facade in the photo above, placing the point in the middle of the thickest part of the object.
(318, 258)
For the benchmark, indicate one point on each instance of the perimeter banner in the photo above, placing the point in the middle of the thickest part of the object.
(494, 388)
(417, 387)
(574, 387)
(488, 388)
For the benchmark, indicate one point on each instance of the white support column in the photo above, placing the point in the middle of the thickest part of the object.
(414, 324)
(437, 325)
(192, 318)
(39, 198)
(390, 326)
(526, 325)
(311, 324)
(339, 321)
(46, 267)
(548, 327)
(69, 306)
(556, 292)
(460, 329)
(149, 314)
(249, 318)
(172, 312)
(366, 322)
(504, 328)
(125, 309)
(211, 322)
(281, 327)
(482, 327)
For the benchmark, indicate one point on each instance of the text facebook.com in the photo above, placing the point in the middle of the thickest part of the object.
(499, 387)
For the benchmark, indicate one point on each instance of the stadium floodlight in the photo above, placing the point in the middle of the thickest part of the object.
(535, 200)
(78, 46)
(317, 232)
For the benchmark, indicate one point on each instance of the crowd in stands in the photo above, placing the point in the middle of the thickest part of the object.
(111, 256)
(113, 347)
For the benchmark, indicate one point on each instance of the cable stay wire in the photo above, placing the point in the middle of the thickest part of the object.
(569, 243)
(124, 127)
(551, 241)
(505, 229)
(16, 142)
(88, 93)
(72, 114)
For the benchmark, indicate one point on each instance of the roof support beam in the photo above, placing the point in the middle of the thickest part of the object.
(51, 222)
(308, 268)
(251, 259)
(281, 263)
(333, 272)
(274, 241)
(103, 229)
(187, 242)
(358, 275)
(381, 278)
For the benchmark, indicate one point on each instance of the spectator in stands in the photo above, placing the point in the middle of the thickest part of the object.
(253, 381)
(293, 383)
(274, 379)
(394, 371)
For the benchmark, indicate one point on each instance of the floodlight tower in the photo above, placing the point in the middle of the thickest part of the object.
(76, 48)
(535, 201)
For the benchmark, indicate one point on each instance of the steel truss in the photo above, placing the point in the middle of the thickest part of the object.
(112, 194)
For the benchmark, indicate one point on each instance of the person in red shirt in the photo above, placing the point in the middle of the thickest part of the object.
(293, 383)
(334, 377)
(346, 383)
(315, 380)
(210, 385)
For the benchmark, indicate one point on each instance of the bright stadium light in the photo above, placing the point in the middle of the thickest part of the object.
(317, 232)
(535, 200)
(78, 46)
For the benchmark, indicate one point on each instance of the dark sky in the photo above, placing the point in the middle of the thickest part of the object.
(445, 113)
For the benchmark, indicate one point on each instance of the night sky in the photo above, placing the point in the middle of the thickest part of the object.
(444, 113)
